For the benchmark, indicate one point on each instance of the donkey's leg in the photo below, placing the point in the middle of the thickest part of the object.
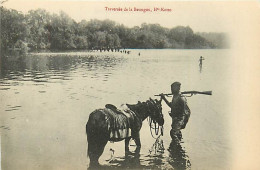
(92, 155)
(136, 137)
(101, 147)
(95, 150)
(127, 144)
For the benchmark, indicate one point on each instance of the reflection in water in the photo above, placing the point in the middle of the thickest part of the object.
(177, 156)
(44, 68)
(131, 160)
(156, 159)
(158, 146)
(200, 66)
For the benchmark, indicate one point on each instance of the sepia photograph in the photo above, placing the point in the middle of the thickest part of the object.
(129, 85)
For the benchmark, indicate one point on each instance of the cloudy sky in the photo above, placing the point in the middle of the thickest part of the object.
(205, 16)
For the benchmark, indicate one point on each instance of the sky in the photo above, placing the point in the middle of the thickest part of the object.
(207, 16)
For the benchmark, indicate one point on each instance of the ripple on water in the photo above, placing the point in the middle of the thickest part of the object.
(5, 127)
(12, 108)
(4, 88)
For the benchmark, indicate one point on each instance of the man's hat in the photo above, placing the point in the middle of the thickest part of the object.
(175, 84)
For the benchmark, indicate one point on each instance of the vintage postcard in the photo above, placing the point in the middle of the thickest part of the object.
(129, 85)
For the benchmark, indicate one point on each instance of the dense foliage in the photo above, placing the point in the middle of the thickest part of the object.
(39, 30)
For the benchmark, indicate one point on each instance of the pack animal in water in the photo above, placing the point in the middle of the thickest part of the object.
(111, 124)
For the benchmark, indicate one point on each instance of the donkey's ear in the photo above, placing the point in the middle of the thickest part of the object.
(152, 101)
(158, 101)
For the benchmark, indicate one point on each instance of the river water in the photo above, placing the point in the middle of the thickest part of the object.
(46, 99)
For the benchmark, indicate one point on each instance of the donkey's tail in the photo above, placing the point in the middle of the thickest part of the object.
(96, 130)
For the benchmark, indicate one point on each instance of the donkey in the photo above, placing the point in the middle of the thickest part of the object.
(111, 124)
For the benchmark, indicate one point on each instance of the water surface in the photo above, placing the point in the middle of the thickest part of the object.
(46, 100)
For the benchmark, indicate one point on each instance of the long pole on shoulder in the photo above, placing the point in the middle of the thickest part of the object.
(188, 92)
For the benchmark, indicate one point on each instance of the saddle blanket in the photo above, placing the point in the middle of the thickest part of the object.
(119, 122)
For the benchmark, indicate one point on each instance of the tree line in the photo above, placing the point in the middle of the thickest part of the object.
(40, 30)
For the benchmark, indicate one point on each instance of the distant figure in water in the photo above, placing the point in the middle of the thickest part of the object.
(139, 54)
(200, 62)
(180, 112)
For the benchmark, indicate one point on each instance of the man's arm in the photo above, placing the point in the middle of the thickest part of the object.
(166, 101)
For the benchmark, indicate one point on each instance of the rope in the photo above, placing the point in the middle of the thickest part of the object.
(156, 127)
(153, 125)
(158, 146)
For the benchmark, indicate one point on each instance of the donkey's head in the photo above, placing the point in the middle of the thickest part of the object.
(154, 108)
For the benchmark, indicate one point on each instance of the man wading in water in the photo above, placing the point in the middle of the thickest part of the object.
(180, 111)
